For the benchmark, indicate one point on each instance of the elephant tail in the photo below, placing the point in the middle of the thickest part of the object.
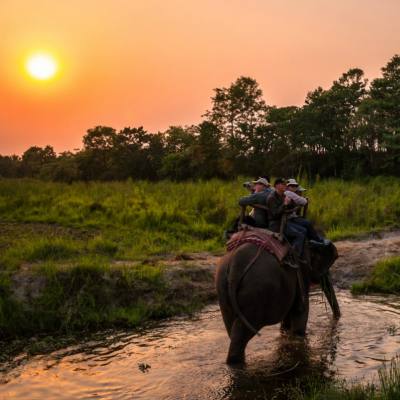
(232, 290)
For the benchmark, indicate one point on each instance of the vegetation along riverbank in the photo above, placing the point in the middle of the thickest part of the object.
(91, 255)
(385, 387)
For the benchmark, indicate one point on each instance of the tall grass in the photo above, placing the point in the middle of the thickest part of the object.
(316, 388)
(92, 293)
(137, 219)
(346, 208)
(385, 278)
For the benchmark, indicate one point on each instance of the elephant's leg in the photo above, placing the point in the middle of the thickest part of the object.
(228, 316)
(286, 323)
(240, 336)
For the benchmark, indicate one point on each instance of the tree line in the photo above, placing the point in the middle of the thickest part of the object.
(351, 129)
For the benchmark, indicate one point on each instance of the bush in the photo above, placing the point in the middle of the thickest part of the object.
(385, 278)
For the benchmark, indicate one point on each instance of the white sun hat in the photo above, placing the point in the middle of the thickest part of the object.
(292, 182)
(263, 181)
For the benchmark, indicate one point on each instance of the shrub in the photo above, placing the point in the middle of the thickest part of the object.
(385, 278)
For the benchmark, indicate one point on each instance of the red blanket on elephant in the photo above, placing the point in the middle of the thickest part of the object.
(259, 237)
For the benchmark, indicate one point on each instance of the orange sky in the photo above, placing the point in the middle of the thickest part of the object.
(155, 62)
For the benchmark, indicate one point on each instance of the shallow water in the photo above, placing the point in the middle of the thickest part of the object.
(184, 358)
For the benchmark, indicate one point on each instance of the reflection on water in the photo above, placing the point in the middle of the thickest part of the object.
(185, 358)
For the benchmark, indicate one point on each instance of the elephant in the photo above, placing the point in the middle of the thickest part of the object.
(255, 290)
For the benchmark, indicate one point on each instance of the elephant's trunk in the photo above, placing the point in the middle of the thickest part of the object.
(329, 291)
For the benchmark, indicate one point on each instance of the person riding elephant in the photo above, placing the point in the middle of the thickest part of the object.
(278, 204)
(255, 289)
(291, 192)
(259, 217)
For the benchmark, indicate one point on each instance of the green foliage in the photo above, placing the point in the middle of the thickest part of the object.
(321, 388)
(344, 209)
(101, 245)
(389, 379)
(91, 293)
(39, 249)
(137, 219)
(385, 278)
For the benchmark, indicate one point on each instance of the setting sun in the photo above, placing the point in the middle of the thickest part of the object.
(41, 66)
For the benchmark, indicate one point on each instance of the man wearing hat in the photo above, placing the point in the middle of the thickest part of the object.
(292, 189)
(291, 192)
(262, 189)
(278, 204)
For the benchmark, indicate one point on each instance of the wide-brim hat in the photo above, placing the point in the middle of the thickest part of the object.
(292, 182)
(262, 181)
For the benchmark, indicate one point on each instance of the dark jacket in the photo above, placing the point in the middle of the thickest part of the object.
(275, 211)
(260, 216)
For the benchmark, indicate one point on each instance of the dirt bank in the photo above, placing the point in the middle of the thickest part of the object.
(356, 257)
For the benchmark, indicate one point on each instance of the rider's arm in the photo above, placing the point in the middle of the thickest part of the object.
(298, 200)
(255, 198)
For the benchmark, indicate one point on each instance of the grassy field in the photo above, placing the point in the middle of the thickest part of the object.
(134, 220)
(68, 239)
(385, 278)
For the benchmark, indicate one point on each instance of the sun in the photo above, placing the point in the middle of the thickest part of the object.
(41, 66)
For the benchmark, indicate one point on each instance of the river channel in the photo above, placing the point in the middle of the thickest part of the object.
(184, 358)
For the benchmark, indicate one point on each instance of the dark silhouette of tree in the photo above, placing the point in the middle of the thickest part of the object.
(207, 153)
(381, 112)
(177, 162)
(10, 166)
(96, 159)
(237, 111)
(346, 130)
(35, 158)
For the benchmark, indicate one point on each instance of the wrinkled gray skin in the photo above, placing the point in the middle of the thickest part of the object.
(268, 294)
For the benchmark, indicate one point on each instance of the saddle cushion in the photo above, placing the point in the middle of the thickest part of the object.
(260, 237)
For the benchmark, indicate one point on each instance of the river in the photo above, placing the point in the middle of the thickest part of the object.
(184, 358)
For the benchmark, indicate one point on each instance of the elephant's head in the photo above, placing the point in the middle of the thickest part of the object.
(322, 258)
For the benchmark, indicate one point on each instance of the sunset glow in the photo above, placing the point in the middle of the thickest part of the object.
(68, 66)
(41, 66)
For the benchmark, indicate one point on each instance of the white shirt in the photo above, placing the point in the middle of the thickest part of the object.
(298, 200)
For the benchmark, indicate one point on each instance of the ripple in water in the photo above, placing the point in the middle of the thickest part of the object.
(184, 358)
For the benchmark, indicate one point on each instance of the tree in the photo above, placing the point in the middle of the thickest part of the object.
(133, 154)
(10, 166)
(35, 158)
(237, 111)
(177, 162)
(206, 153)
(96, 161)
(62, 169)
(382, 112)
